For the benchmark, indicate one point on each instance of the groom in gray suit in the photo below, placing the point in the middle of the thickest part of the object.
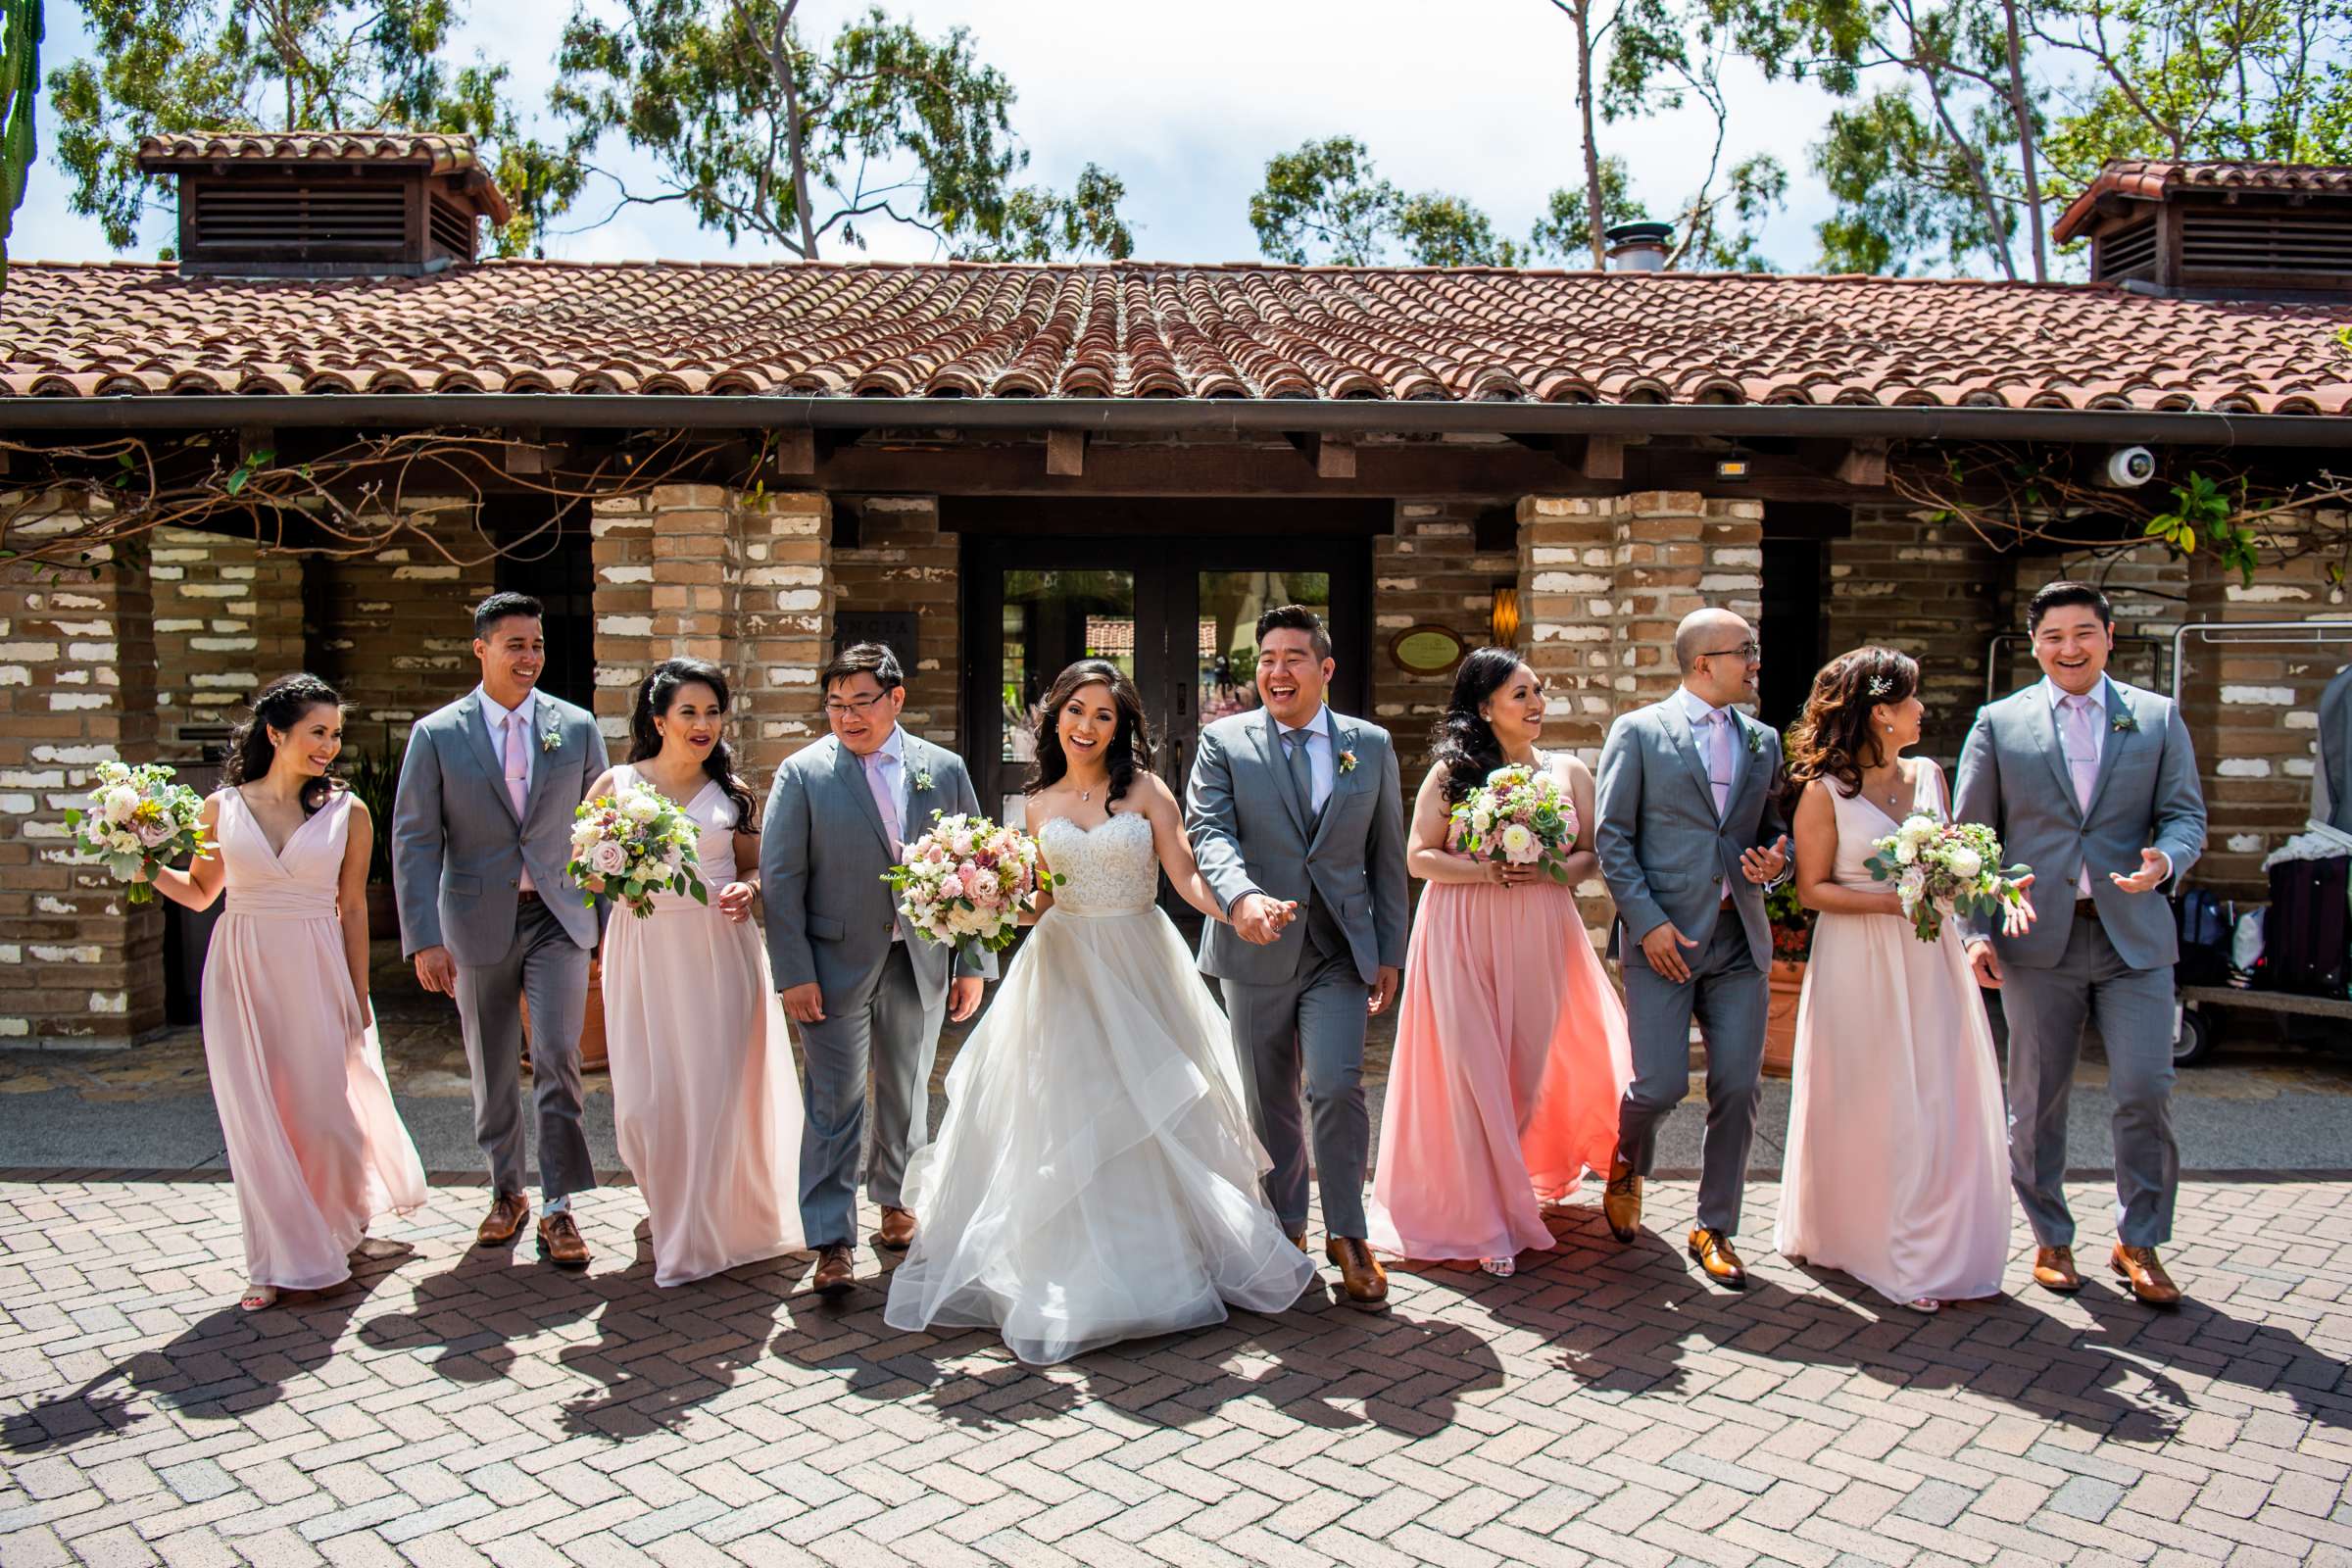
(481, 831)
(2093, 784)
(1296, 816)
(864, 992)
(1691, 833)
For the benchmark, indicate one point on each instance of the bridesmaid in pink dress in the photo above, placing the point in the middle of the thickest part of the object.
(315, 1148)
(705, 1104)
(1898, 1169)
(1511, 1051)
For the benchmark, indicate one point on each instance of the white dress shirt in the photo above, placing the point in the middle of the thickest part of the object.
(1322, 767)
(1697, 710)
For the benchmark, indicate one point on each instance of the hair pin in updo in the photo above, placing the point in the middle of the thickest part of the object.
(1881, 686)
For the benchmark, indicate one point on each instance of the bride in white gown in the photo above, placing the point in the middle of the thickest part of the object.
(1097, 1178)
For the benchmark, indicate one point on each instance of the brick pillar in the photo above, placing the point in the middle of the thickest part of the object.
(904, 561)
(1426, 571)
(699, 571)
(2252, 713)
(78, 964)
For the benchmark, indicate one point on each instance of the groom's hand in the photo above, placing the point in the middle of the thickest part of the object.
(963, 996)
(1257, 919)
(1662, 946)
(1762, 865)
(1986, 963)
(804, 1004)
(1384, 988)
(2155, 869)
(437, 971)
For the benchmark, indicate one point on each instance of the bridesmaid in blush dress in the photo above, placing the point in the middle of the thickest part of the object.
(315, 1148)
(1898, 1169)
(1511, 1051)
(705, 1104)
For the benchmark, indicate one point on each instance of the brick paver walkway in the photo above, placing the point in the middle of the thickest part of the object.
(462, 1407)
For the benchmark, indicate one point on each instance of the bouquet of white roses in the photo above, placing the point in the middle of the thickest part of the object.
(633, 844)
(1943, 868)
(138, 820)
(1518, 816)
(966, 880)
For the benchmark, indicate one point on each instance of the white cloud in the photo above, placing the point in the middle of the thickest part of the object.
(1186, 104)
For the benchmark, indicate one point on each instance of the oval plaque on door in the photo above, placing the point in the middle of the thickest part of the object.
(1427, 649)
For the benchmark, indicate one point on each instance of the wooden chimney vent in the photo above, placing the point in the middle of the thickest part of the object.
(323, 204)
(2217, 230)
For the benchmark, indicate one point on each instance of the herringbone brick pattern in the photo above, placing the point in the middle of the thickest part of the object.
(459, 1407)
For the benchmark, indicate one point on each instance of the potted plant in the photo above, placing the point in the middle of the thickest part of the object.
(1792, 942)
(374, 778)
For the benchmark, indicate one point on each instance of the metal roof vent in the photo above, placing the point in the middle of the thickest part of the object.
(2228, 229)
(1638, 247)
(326, 204)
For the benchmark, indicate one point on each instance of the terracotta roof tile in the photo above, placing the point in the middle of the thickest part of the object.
(2151, 179)
(1138, 330)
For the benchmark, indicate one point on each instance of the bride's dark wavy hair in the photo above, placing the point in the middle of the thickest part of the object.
(1130, 750)
(1462, 740)
(656, 695)
(1832, 738)
(281, 705)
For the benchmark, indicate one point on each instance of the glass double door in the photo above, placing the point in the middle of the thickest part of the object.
(1180, 617)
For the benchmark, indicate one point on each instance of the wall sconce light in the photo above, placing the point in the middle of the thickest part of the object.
(1503, 621)
(1734, 467)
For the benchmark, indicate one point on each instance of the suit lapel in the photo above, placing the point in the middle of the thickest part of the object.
(1269, 749)
(551, 719)
(1341, 739)
(477, 732)
(2111, 747)
(852, 774)
(2044, 726)
(1685, 739)
(914, 761)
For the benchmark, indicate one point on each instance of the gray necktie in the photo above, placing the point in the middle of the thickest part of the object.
(1302, 773)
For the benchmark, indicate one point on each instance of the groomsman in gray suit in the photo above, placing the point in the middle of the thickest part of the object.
(481, 831)
(1691, 833)
(1298, 820)
(866, 993)
(2093, 784)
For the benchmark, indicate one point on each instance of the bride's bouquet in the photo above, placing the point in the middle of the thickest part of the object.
(633, 844)
(1518, 816)
(1943, 868)
(138, 820)
(967, 880)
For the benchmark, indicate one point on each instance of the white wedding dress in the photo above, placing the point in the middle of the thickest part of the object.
(1097, 1178)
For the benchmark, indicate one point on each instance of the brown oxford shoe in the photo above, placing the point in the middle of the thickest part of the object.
(560, 1241)
(2054, 1270)
(1298, 1239)
(898, 1227)
(504, 1221)
(1621, 1200)
(2149, 1282)
(1361, 1274)
(1713, 1249)
(833, 1270)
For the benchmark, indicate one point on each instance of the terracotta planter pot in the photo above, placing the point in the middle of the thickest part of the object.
(383, 912)
(592, 1020)
(1780, 1026)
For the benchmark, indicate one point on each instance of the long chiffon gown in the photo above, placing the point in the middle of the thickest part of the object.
(315, 1148)
(1097, 1178)
(705, 1102)
(1512, 1057)
(1898, 1169)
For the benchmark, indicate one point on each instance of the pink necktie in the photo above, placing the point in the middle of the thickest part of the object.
(1719, 759)
(518, 766)
(882, 798)
(2082, 764)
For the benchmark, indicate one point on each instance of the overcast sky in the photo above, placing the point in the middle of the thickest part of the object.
(1185, 103)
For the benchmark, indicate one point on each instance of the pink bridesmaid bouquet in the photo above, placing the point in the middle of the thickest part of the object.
(633, 844)
(1519, 817)
(138, 820)
(967, 880)
(1943, 868)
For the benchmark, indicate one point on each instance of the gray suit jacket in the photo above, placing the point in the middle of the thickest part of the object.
(2014, 779)
(458, 851)
(1251, 836)
(2335, 749)
(1664, 852)
(822, 852)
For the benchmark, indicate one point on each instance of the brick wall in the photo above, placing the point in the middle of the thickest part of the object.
(394, 632)
(1427, 571)
(78, 964)
(1929, 590)
(904, 561)
(227, 621)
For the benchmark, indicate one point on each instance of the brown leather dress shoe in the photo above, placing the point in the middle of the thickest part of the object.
(2149, 1282)
(504, 1221)
(1298, 1239)
(1621, 1200)
(560, 1241)
(898, 1227)
(2054, 1270)
(1361, 1274)
(1713, 1249)
(835, 1267)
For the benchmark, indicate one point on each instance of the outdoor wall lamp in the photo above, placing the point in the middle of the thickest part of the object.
(1503, 618)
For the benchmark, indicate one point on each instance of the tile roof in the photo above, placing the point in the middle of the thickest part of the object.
(2152, 179)
(442, 154)
(1138, 330)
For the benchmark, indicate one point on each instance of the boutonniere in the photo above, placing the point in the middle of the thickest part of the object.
(1346, 761)
(551, 738)
(922, 778)
(1755, 740)
(2123, 723)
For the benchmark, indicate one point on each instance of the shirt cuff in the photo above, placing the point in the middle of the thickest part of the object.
(2168, 864)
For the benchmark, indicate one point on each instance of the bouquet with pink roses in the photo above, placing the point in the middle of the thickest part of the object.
(137, 820)
(967, 880)
(633, 844)
(1518, 816)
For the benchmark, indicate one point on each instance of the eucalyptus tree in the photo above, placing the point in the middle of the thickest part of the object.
(20, 77)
